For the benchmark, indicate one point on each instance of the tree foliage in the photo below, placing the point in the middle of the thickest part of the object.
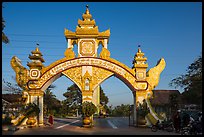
(173, 103)
(103, 98)
(73, 95)
(11, 88)
(4, 37)
(191, 82)
(143, 109)
(88, 109)
(122, 110)
(73, 101)
(31, 110)
(51, 103)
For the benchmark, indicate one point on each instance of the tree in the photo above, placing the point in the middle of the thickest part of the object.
(191, 82)
(30, 110)
(173, 103)
(73, 101)
(122, 110)
(103, 98)
(4, 37)
(50, 101)
(103, 103)
(11, 88)
(73, 95)
(88, 109)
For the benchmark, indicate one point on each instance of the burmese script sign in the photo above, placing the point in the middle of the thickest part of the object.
(59, 68)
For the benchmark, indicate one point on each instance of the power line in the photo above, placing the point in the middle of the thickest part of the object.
(28, 54)
(36, 41)
(37, 35)
(34, 48)
(45, 60)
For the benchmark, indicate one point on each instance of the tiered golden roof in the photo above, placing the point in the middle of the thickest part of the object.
(139, 59)
(86, 28)
(140, 56)
(36, 58)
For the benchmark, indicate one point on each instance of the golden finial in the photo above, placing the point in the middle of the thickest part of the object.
(139, 50)
(37, 48)
(87, 9)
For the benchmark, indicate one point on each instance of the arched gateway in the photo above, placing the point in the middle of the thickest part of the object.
(87, 70)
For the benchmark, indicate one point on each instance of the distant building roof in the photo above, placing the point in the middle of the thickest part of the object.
(5, 102)
(161, 97)
(12, 98)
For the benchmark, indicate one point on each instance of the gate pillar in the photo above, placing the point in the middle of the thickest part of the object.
(138, 97)
(134, 109)
(36, 96)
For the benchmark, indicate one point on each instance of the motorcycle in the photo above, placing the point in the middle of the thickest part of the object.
(163, 126)
(193, 128)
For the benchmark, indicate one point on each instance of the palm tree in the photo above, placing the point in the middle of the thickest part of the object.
(49, 99)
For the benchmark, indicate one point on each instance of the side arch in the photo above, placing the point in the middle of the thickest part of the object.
(71, 72)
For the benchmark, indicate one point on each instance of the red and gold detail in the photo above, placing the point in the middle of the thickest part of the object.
(34, 73)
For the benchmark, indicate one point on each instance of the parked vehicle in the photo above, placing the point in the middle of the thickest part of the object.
(193, 128)
(168, 126)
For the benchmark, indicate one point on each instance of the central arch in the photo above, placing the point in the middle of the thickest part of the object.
(101, 69)
(108, 66)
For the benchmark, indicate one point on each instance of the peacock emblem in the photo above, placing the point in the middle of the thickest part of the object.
(153, 74)
(22, 74)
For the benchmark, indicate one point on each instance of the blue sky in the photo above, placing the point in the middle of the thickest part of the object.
(172, 30)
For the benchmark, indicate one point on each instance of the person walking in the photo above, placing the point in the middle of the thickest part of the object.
(51, 120)
(186, 119)
(177, 121)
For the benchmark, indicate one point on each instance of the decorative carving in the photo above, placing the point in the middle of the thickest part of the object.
(154, 73)
(141, 75)
(104, 34)
(34, 74)
(131, 79)
(22, 74)
(87, 95)
(69, 53)
(36, 92)
(99, 75)
(142, 85)
(87, 79)
(75, 75)
(69, 34)
(34, 84)
(25, 97)
(105, 53)
(111, 65)
(87, 47)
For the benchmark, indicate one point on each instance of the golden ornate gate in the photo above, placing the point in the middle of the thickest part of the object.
(87, 70)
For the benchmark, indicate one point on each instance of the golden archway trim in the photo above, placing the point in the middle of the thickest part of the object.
(120, 70)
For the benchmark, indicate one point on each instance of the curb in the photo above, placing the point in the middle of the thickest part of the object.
(11, 128)
(5, 128)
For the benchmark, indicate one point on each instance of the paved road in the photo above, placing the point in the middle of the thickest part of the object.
(102, 126)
